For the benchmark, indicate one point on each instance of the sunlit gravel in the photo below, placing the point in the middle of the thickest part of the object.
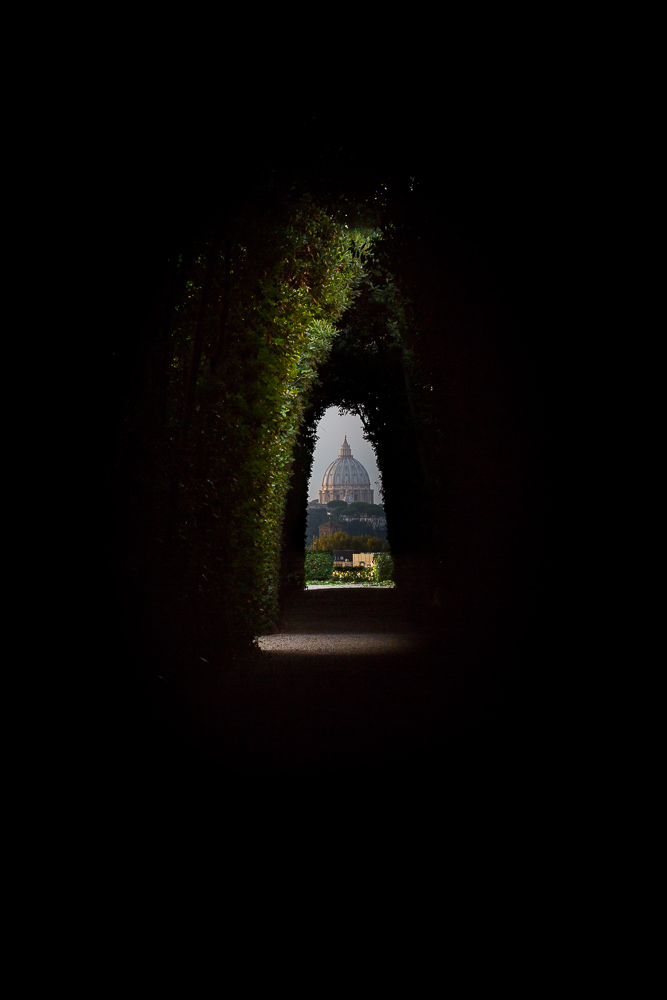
(362, 643)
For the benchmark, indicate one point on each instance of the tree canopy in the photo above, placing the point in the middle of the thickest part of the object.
(360, 507)
(342, 540)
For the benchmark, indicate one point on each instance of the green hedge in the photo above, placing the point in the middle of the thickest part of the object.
(247, 318)
(383, 567)
(319, 565)
(353, 574)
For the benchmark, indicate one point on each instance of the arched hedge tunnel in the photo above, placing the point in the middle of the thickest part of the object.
(214, 430)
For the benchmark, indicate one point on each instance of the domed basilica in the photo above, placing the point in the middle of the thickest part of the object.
(346, 479)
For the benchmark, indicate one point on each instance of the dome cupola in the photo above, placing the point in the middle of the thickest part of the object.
(346, 479)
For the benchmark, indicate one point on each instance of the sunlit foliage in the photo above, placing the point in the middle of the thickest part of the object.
(342, 540)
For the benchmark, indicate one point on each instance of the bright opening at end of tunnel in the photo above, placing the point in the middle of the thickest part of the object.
(345, 512)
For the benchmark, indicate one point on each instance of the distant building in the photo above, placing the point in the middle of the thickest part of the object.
(346, 479)
(343, 558)
(364, 558)
(329, 528)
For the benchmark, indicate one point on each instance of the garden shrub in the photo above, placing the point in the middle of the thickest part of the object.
(353, 574)
(383, 567)
(319, 565)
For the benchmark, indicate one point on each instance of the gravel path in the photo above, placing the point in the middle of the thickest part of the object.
(353, 644)
(327, 619)
(350, 680)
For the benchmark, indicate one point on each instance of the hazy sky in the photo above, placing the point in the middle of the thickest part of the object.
(330, 431)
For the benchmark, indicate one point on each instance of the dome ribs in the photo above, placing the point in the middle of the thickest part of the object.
(346, 477)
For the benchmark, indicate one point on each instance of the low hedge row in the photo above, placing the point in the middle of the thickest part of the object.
(319, 568)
